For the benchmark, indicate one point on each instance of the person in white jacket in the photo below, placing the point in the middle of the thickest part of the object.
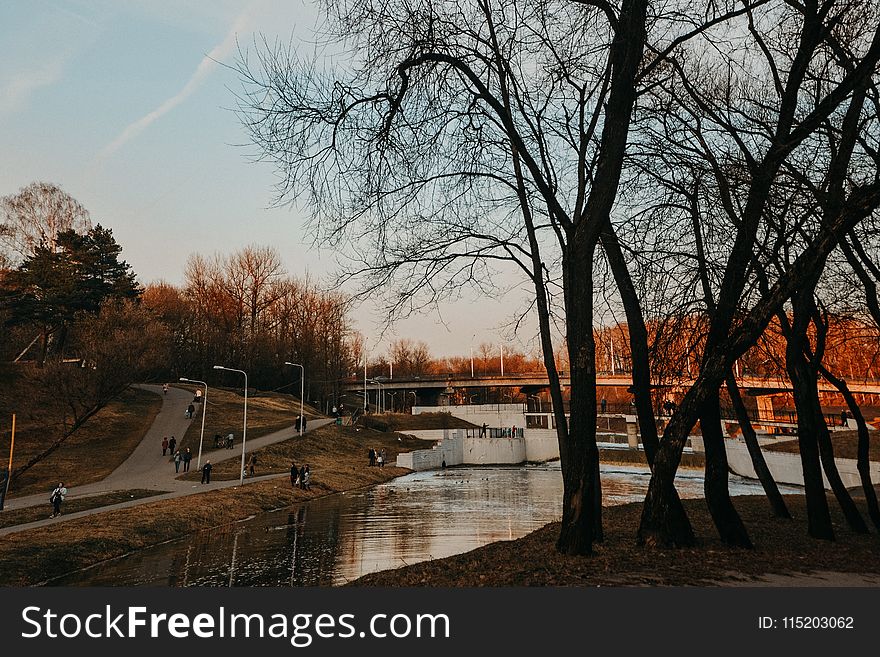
(56, 498)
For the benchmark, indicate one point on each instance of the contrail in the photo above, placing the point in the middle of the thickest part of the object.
(205, 66)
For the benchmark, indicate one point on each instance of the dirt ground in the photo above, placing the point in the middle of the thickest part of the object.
(845, 445)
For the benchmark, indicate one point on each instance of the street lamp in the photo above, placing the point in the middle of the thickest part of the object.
(302, 383)
(378, 393)
(472, 354)
(204, 408)
(244, 431)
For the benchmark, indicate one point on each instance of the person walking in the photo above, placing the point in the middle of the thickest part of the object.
(603, 404)
(187, 457)
(303, 423)
(252, 464)
(172, 444)
(294, 475)
(483, 430)
(372, 455)
(206, 472)
(384, 458)
(307, 478)
(165, 388)
(56, 498)
(164, 445)
(177, 459)
(189, 411)
(302, 477)
(379, 460)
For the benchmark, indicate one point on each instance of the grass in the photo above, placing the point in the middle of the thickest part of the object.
(408, 422)
(781, 547)
(338, 456)
(92, 452)
(268, 412)
(688, 460)
(72, 505)
(323, 449)
(845, 445)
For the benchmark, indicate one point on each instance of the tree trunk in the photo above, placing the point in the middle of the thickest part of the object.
(579, 455)
(638, 342)
(730, 527)
(818, 515)
(864, 463)
(771, 490)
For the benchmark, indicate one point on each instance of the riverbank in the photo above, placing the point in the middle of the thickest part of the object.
(782, 549)
(338, 456)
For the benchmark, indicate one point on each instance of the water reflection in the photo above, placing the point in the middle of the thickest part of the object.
(333, 540)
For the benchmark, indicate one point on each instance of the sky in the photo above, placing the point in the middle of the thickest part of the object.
(128, 107)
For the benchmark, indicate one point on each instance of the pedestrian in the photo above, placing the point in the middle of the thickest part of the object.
(216, 440)
(177, 459)
(165, 388)
(187, 457)
(513, 432)
(294, 475)
(379, 460)
(483, 430)
(303, 423)
(296, 424)
(253, 463)
(307, 478)
(230, 439)
(372, 455)
(603, 404)
(190, 410)
(302, 477)
(172, 444)
(443, 465)
(206, 472)
(843, 418)
(56, 498)
(164, 445)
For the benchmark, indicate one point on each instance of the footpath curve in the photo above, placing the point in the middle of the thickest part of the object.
(146, 468)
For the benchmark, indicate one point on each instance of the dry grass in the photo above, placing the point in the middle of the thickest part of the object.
(267, 412)
(688, 460)
(782, 546)
(339, 462)
(324, 449)
(90, 454)
(408, 422)
(73, 505)
(845, 445)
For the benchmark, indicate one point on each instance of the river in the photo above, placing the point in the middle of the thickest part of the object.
(335, 539)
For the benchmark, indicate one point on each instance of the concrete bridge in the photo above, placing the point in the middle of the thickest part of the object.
(440, 383)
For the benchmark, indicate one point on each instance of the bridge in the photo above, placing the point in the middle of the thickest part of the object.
(438, 383)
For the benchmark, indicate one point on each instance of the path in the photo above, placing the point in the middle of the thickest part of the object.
(146, 468)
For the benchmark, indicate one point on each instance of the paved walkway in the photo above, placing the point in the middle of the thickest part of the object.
(146, 468)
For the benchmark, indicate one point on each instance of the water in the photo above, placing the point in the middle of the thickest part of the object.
(333, 540)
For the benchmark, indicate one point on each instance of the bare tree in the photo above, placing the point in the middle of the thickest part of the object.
(35, 216)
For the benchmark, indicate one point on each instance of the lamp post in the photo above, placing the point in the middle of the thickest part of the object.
(378, 393)
(204, 408)
(365, 376)
(502, 359)
(302, 389)
(244, 431)
(472, 354)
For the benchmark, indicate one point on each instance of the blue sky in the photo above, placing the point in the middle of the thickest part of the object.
(121, 105)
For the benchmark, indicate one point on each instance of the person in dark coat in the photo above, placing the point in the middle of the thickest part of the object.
(187, 457)
(302, 477)
(303, 423)
(372, 455)
(294, 475)
(172, 444)
(206, 472)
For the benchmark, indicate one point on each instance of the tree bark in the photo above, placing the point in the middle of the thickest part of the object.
(579, 455)
(863, 463)
(727, 521)
(771, 490)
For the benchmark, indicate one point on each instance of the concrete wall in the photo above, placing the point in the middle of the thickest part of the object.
(494, 450)
(495, 415)
(450, 448)
(541, 445)
(786, 468)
